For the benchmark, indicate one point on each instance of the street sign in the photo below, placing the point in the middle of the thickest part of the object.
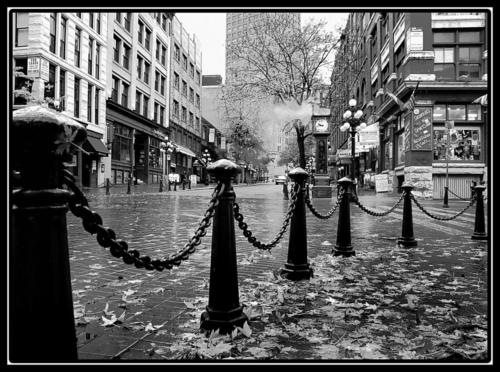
(449, 124)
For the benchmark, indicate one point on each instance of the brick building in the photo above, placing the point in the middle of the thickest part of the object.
(442, 58)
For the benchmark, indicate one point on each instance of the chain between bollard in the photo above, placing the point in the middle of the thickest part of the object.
(106, 237)
(248, 234)
(378, 214)
(314, 210)
(442, 218)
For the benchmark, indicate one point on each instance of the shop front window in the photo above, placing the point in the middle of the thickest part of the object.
(154, 153)
(401, 149)
(388, 155)
(465, 144)
(122, 142)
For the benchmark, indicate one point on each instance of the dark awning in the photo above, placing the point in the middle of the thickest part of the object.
(95, 145)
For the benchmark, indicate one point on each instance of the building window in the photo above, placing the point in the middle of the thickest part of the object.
(162, 85)
(118, 18)
(154, 153)
(158, 48)
(191, 119)
(162, 115)
(156, 112)
(52, 35)
(191, 95)
(126, 56)
(176, 80)
(164, 22)
(96, 105)
(457, 112)
(114, 89)
(469, 62)
(184, 88)
(91, 20)
(145, 105)
(191, 70)
(97, 60)
(125, 88)
(126, 21)
(465, 144)
(49, 91)
(138, 97)
(457, 54)
(98, 23)
(77, 97)
(184, 62)
(177, 53)
(176, 109)
(116, 48)
(140, 32)
(198, 100)
(77, 47)
(198, 77)
(62, 89)
(163, 55)
(62, 41)
(139, 67)
(22, 24)
(157, 81)
(147, 40)
(89, 103)
(91, 63)
(184, 114)
(147, 67)
(444, 63)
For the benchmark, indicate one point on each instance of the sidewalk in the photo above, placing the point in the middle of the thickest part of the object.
(386, 303)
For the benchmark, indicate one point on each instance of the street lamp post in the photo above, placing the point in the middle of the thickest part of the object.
(206, 157)
(353, 120)
(166, 147)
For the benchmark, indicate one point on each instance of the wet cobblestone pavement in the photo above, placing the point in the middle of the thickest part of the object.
(158, 311)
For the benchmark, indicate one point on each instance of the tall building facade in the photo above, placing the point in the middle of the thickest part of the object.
(138, 92)
(185, 98)
(438, 61)
(238, 26)
(63, 59)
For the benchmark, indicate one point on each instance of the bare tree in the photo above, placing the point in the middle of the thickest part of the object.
(281, 60)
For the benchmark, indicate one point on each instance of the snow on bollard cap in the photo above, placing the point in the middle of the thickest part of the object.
(36, 125)
(224, 169)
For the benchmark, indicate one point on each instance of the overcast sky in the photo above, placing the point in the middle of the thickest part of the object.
(210, 28)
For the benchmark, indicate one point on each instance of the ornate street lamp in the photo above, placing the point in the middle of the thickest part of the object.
(166, 147)
(354, 122)
(207, 159)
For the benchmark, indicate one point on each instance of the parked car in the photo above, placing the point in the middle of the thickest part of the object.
(280, 180)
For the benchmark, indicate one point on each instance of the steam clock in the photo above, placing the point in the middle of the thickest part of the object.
(322, 188)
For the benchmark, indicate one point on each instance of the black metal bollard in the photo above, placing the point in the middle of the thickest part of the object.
(407, 239)
(128, 184)
(285, 191)
(175, 185)
(107, 186)
(189, 185)
(343, 246)
(184, 185)
(479, 225)
(161, 186)
(41, 327)
(223, 311)
(168, 185)
(445, 200)
(297, 267)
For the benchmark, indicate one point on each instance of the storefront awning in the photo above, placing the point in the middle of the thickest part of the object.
(185, 150)
(96, 146)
